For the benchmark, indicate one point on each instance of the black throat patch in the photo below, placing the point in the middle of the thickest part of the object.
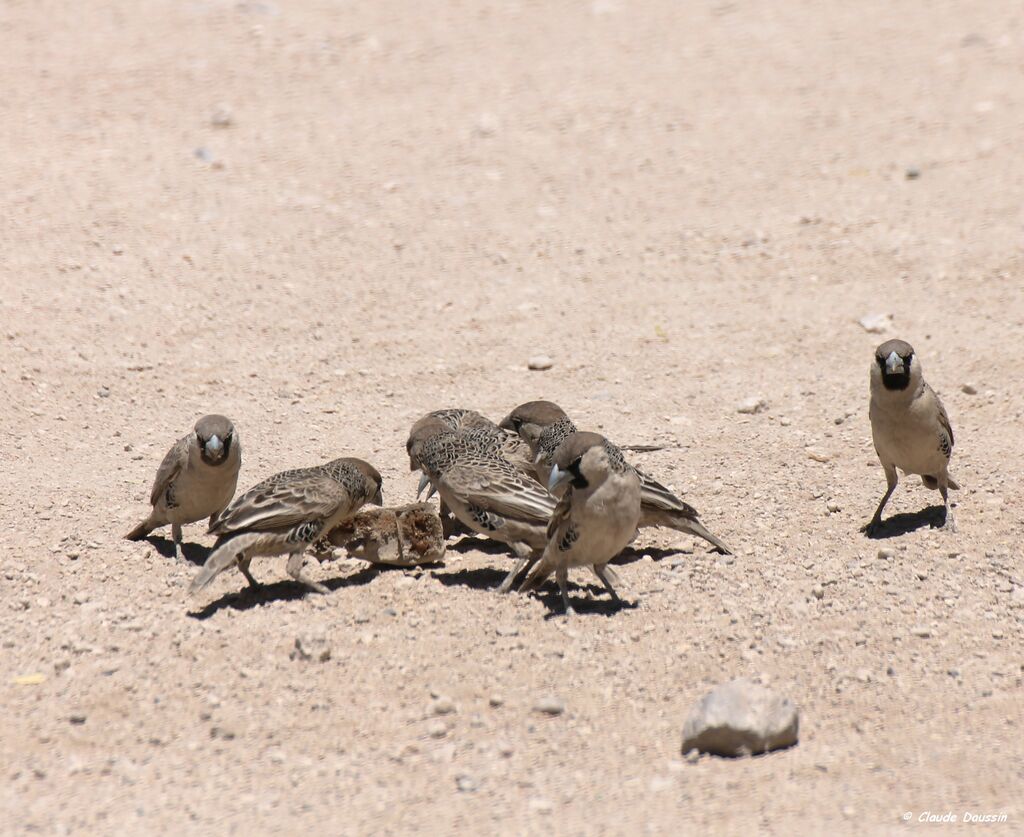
(895, 381)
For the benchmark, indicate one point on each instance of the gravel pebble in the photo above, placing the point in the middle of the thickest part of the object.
(741, 718)
(539, 363)
(443, 706)
(549, 705)
(752, 405)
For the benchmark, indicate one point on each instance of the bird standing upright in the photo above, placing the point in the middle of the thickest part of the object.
(596, 516)
(196, 479)
(909, 426)
(286, 513)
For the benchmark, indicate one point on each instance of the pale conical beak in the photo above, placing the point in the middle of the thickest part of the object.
(214, 447)
(424, 482)
(557, 477)
(894, 364)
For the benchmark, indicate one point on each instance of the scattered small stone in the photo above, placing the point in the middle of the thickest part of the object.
(308, 648)
(77, 719)
(922, 631)
(505, 749)
(912, 173)
(921, 574)
(507, 630)
(437, 729)
(539, 363)
(817, 454)
(549, 705)
(465, 783)
(818, 591)
(495, 701)
(487, 125)
(997, 634)
(969, 389)
(741, 718)
(832, 507)
(541, 805)
(221, 117)
(222, 733)
(886, 554)
(752, 405)
(876, 323)
(692, 756)
(103, 392)
(443, 706)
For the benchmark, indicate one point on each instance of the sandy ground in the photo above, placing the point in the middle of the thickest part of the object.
(684, 205)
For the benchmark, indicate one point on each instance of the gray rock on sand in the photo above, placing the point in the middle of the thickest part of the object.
(741, 718)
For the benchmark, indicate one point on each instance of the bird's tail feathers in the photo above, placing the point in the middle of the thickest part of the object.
(932, 483)
(538, 575)
(140, 531)
(224, 556)
(683, 521)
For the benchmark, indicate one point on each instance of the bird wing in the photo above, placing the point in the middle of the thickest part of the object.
(281, 502)
(560, 517)
(496, 486)
(173, 462)
(655, 495)
(946, 433)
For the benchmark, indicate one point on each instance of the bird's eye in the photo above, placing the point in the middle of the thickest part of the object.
(576, 464)
(517, 423)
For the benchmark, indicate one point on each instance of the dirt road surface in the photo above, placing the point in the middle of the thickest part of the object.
(324, 219)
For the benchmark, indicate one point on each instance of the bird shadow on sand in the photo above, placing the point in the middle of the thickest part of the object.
(629, 554)
(906, 522)
(194, 553)
(246, 598)
(484, 545)
(482, 578)
(552, 600)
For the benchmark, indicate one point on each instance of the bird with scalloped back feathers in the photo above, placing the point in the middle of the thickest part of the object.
(285, 514)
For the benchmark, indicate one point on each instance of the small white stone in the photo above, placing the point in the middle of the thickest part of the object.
(549, 705)
(443, 706)
(969, 389)
(540, 363)
(817, 454)
(876, 323)
(752, 405)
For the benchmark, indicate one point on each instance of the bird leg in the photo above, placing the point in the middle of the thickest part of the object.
(949, 524)
(562, 576)
(295, 563)
(599, 571)
(243, 567)
(891, 479)
(176, 537)
(522, 565)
